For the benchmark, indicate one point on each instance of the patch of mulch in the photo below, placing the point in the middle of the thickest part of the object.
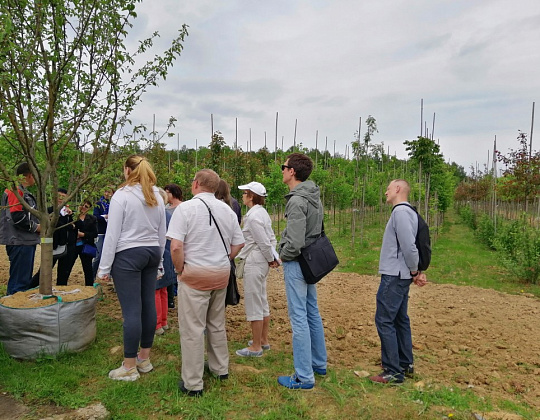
(33, 299)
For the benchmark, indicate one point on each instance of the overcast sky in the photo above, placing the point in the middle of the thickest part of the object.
(475, 64)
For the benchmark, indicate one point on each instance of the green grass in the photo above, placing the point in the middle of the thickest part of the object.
(77, 380)
(458, 257)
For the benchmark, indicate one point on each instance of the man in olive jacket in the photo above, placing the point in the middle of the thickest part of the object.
(304, 213)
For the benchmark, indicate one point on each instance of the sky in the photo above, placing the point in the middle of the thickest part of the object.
(325, 66)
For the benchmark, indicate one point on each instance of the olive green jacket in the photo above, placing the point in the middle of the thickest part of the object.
(304, 214)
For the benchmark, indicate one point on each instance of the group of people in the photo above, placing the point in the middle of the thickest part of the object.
(193, 243)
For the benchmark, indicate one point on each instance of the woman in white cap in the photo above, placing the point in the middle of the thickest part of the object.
(259, 255)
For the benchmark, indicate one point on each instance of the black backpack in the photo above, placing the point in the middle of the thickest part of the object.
(422, 240)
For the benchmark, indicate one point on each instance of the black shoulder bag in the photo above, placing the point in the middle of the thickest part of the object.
(233, 295)
(318, 259)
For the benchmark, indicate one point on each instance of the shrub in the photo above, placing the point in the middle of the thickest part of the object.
(485, 230)
(519, 244)
(468, 216)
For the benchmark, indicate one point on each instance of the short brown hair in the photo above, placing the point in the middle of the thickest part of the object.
(256, 198)
(23, 169)
(302, 165)
(175, 190)
(208, 179)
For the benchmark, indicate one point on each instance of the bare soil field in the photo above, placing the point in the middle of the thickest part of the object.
(466, 337)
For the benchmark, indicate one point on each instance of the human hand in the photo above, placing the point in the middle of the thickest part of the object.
(420, 280)
(273, 264)
(104, 278)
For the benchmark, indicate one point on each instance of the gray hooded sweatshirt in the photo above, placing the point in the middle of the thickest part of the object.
(304, 214)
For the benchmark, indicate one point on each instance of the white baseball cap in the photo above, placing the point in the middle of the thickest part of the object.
(255, 187)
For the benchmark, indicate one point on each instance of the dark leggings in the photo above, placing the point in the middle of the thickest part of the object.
(134, 272)
(65, 265)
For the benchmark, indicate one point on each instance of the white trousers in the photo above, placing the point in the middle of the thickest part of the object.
(255, 296)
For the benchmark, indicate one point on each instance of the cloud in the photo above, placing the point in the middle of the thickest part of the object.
(325, 64)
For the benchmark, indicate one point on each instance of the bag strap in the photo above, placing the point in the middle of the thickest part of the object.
(217, 226)
(412, 208)
(322, 223)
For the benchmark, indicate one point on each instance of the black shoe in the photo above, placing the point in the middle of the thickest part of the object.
(195, 393)
(408, 370)
(223, 377)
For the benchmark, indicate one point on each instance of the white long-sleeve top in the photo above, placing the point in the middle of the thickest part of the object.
(132, 223)
(258, 233)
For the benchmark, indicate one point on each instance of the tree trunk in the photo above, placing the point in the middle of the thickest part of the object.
(45, 270)
(46, 262)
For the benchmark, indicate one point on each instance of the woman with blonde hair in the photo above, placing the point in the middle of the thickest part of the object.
(132, 255)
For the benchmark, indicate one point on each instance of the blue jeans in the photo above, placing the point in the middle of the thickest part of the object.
(309, 347)
(393, 324)
(21, 264)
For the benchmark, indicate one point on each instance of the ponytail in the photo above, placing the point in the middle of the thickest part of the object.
(142, 173)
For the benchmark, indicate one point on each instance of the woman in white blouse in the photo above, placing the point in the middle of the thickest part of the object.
(259, 254)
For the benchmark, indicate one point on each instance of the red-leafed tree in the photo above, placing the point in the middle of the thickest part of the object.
(521, 179)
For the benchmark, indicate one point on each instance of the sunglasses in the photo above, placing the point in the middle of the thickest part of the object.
(85, 206)
(285, 166)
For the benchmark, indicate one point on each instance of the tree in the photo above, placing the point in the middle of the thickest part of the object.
(67, 80)
(426, 154)
(359, 149)
(216, 145)
(371, 129)
(522, 174)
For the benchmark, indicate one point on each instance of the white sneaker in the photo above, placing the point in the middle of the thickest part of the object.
(144, 366)
(123, 374)
(160, 331)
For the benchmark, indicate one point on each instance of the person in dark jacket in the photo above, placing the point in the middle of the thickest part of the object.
(87, 232)
(167, 279)
(19, 231)
(60, 237)
(101, 212)
(175, 196)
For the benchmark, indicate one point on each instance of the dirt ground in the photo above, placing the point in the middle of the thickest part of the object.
(466, 337)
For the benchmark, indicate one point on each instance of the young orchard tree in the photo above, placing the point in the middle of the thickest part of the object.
(521, 179)
(68, 80)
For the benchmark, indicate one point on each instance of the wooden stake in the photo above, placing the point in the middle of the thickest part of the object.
(275, 148)
(531, 136)
(294, 140)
